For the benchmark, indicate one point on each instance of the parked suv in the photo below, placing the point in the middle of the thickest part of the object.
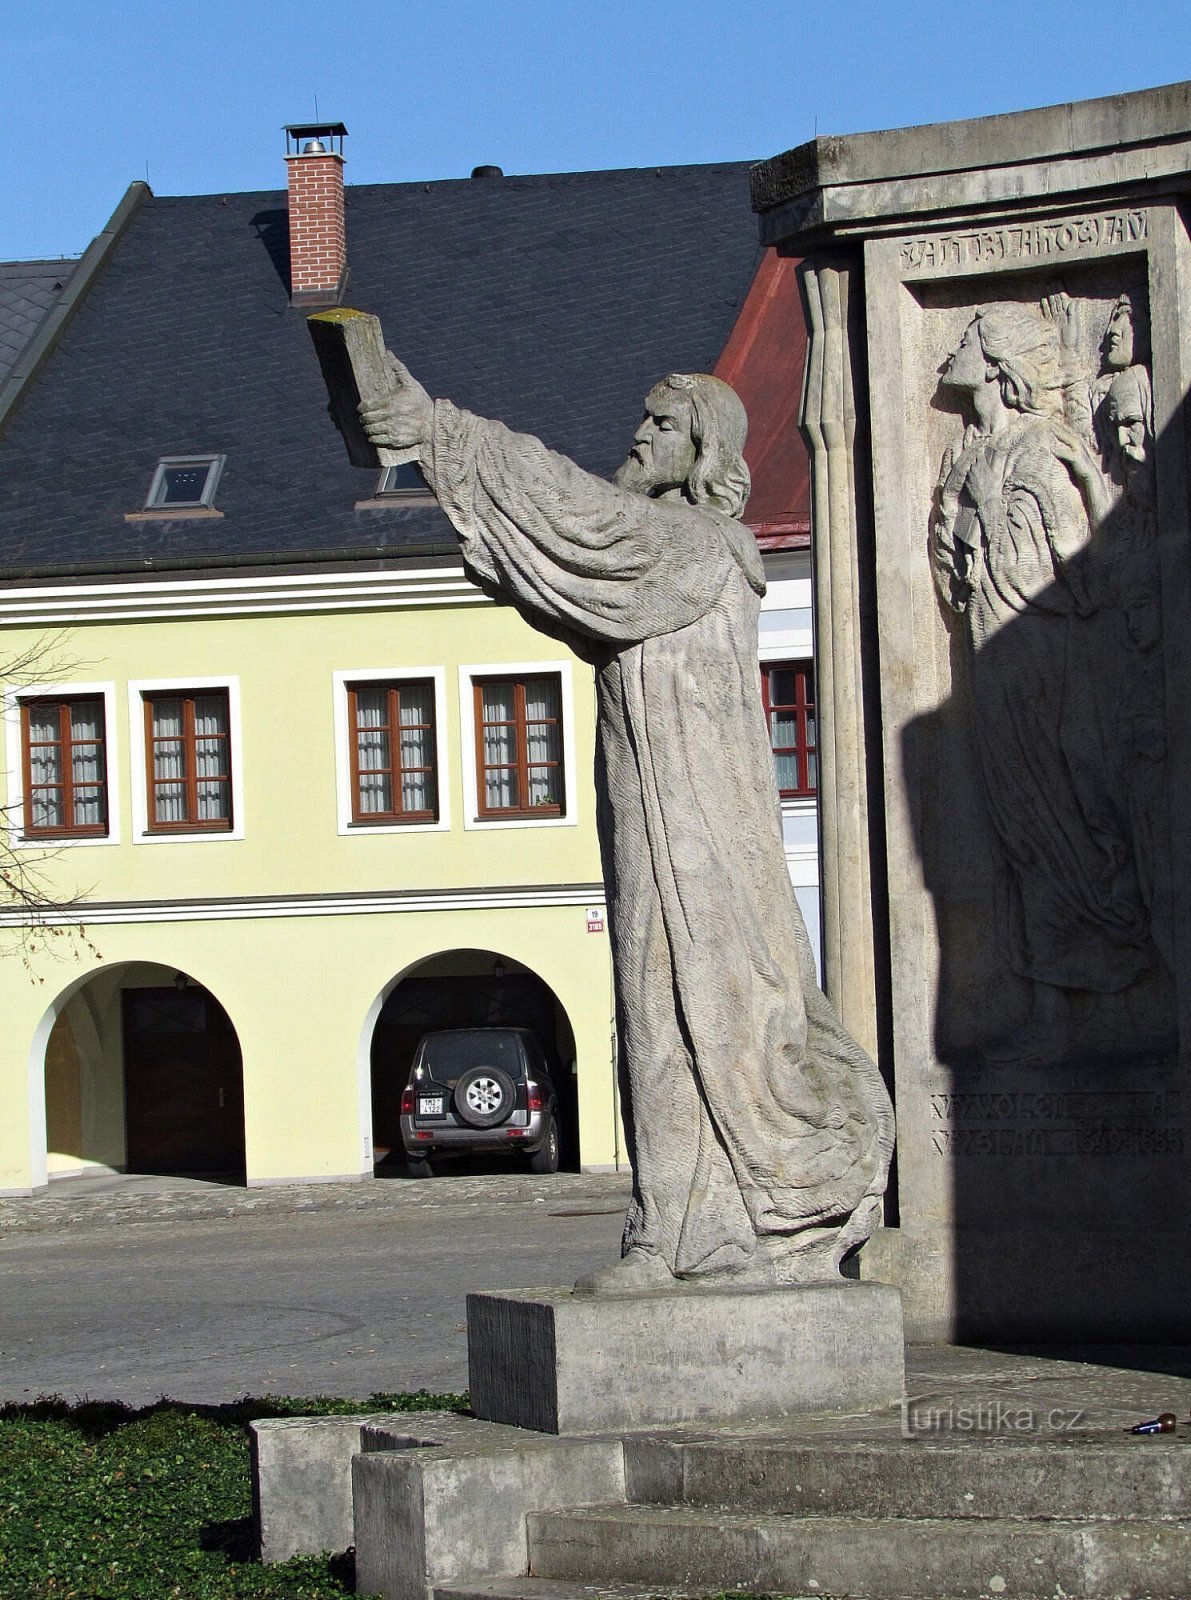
(473, 1091)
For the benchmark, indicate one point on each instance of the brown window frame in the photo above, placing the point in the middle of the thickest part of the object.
(802, 705)
(396, 769)
(65, 742)
(522, 811)
(192, 823)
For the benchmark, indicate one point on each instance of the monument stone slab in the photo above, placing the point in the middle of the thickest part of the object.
(565, 1363)
(1008, 301)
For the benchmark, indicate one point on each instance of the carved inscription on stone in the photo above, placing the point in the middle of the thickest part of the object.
(1027, 241)
(1080, 1105)
(1059, 1124)
(1059, 1141)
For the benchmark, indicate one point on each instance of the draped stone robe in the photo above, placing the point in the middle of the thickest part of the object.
(756, 1126)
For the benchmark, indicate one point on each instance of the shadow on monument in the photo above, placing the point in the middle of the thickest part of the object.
(1045, 798)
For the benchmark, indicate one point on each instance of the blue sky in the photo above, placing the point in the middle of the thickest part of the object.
(98, 95)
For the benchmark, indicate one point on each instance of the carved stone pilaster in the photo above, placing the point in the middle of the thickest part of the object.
(833, 295)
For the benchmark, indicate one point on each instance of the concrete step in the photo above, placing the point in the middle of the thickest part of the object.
(690, 1548)
(1052, 1478)
(559, 1589)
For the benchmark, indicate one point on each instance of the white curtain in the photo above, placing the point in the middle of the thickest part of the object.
(372, 750)
(417, 747)
(212, 780)
(86, 765)
(543, 744)
(45, 768)
(783, 730)
(169, 762)
(500, 746)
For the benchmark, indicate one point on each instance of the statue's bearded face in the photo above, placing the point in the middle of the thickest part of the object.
(663, 451)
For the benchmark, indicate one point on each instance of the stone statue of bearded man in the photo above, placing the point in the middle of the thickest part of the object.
(759, 1132)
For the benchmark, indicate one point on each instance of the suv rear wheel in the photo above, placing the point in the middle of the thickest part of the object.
(484, 1097)
(545, 1158)
(419, 1166)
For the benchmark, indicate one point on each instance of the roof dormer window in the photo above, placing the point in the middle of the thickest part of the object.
(184, 482)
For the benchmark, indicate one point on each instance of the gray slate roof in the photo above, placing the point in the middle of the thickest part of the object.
(29, 291)
(551, 302)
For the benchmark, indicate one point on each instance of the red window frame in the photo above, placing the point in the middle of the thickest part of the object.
(521, 765)
(64, 743)
(801, 710)
(189, 780)
(395, 769)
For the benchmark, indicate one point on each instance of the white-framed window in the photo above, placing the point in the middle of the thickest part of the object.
(187, 768)
(184, 482)
(518, 745)
(391, 750)
(62, 768)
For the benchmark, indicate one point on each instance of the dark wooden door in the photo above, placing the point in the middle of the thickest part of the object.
(183, 1083)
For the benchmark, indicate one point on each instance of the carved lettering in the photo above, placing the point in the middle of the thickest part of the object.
(1114, 1107)
(1031, 241)
(1046, 1142)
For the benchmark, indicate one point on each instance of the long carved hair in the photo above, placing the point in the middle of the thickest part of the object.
(720, 477)
(1024, 348)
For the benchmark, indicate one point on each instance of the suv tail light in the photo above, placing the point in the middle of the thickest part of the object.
(534, 1096)
(407, 1101)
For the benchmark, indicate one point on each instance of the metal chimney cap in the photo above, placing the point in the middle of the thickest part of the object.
(327, 136)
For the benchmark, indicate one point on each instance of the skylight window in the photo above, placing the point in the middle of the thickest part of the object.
(405, 479)
(183, 482)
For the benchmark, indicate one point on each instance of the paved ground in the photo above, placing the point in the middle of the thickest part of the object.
(130, 1288)
(133, 1288)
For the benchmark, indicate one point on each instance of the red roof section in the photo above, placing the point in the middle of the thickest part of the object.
(763, 360)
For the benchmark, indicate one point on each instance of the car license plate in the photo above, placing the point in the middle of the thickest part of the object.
(430, 1105)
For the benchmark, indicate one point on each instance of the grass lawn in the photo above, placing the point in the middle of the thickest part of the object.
(101, 1502)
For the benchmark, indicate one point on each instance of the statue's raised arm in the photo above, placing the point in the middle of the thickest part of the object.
(759, 1132)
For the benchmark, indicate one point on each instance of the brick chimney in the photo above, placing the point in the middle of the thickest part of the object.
(317, 240)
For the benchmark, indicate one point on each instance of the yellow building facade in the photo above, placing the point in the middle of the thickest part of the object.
(290, 947)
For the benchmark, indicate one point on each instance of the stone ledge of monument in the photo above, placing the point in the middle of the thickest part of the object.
(939, 181)
(1046, 133)
(530, 1588)
(579, 1364)
(1041, 1477)
(302, 1469)
(882, 1558)
(301, 1482)
(423, 1517)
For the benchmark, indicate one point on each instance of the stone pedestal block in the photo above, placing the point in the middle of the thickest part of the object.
(565, 1363)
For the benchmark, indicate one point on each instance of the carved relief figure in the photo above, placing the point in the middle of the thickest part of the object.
(1124, 346)
(1009, 540)
(1134, 588)
(760, 1133)
(1112, 407)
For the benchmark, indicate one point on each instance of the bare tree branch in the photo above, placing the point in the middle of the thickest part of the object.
(36, 914)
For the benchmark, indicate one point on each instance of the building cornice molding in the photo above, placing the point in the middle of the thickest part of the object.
(232, 908)
(68, 605)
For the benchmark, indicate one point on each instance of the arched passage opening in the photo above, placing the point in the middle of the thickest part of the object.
(466, 989)
(143, 1073)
